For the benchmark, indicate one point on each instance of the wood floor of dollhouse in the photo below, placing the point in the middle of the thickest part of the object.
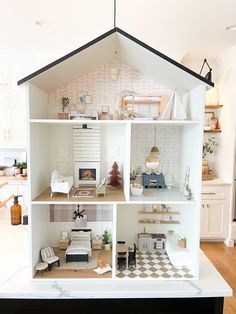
(77, 269)
(154, 265)
(112, 195)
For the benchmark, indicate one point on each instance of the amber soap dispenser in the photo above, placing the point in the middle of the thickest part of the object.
(16, 211)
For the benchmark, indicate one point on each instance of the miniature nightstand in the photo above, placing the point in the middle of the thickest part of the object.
(97, 244)
(63, 244)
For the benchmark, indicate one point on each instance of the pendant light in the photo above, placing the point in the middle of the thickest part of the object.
(152, 162)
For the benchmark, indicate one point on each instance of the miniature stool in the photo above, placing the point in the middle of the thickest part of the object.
(41, 267)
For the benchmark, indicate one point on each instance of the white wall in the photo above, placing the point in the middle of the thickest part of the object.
(56, 229)
(226, 82)
(112, 148)
(40, 232)
(39, 174)
(61, 148)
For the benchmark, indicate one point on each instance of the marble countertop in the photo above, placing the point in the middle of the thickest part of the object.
(215, 181)
(15, 281)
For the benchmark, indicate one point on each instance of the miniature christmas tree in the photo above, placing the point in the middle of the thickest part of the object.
(114, 179)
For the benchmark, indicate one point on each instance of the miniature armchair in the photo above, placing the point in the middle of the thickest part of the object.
(60, 184)
(48, 256)
(101, 188)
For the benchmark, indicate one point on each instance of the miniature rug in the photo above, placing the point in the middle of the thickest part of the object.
(84, 192)
(154, 265)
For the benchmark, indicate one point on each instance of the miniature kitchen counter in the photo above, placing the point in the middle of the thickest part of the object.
(15, 281)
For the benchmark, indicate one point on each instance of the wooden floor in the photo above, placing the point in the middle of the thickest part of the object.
(77, 273)
(224, 259)
(72, 273)
(112, 195)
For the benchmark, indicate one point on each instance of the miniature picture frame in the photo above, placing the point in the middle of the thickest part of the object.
(88, 99)
(207, 120)
(105, 109)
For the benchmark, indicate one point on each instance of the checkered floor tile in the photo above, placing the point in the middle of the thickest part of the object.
(154, 265)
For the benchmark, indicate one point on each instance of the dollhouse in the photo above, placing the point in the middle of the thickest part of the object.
(120, 121)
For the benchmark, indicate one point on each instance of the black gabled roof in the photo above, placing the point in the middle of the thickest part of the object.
(103, 36)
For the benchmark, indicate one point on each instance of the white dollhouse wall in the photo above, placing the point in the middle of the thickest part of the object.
(39, 219)
(38, 102)
(39, 174)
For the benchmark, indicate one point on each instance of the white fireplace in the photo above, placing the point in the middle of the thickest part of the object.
(87, 172)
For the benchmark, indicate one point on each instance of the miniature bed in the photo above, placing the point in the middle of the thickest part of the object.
(80, 248)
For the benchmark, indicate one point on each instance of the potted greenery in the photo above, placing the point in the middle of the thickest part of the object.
(106, 239)
(21, 168)
(65, 103)
(182, 242)
(208, 148)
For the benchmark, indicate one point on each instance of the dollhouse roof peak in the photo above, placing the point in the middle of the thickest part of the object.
(116, 44)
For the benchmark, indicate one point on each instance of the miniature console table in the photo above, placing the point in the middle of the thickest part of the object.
(153, 180)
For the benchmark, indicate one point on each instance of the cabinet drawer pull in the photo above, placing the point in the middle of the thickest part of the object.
(208, 193)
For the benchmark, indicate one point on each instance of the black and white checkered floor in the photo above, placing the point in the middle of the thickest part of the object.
(154, 265)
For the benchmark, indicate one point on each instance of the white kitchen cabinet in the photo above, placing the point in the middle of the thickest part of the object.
(215, 212)
(13, 119)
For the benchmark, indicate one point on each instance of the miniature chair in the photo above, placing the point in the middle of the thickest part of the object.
(60, 184)
(48, 256)
(132, 257)
(121, 260)
(101, 188)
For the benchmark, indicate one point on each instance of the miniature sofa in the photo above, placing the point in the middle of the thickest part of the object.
(61, 184)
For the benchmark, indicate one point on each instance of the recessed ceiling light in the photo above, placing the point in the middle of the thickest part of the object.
(231, 28)
(42, 23)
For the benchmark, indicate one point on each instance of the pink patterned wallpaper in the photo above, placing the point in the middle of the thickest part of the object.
(103, 89)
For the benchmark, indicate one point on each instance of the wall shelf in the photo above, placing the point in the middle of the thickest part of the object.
(213, 106)
(137, 121)
(159, 213)
(159, 222)
(212, 131)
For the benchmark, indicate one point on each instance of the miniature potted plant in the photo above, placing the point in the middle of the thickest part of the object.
(106, 239)
(136, 189)
(21, 168)
(65, 103)
(182, 242)
(208, 148)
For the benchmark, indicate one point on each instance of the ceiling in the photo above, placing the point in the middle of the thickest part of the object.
(174, 27)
